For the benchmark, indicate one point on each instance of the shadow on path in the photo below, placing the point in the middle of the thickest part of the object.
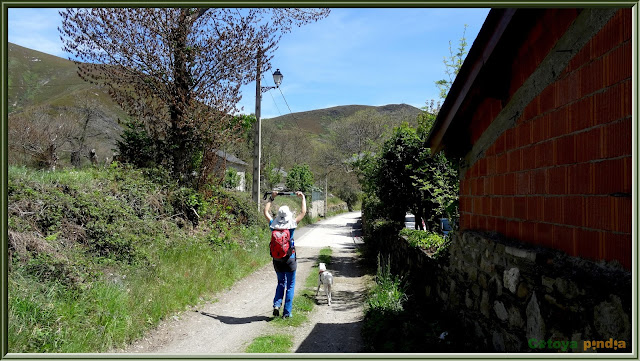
(236, 320)
(322, 338)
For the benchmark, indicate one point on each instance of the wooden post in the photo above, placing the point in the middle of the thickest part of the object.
(257, 138)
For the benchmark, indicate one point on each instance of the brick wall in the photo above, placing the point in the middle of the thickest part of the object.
(561, 178)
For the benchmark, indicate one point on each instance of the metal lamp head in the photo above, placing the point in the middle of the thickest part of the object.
(277, 77)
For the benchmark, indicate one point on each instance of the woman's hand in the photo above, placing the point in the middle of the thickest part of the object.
(274, 194)
(299, 194)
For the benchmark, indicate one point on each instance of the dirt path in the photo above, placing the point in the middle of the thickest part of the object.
(242, 313)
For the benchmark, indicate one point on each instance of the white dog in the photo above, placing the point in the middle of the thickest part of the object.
(325, 278)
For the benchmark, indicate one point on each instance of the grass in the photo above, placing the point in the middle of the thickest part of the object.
(98, 257)
(271, 344)
(303, 304)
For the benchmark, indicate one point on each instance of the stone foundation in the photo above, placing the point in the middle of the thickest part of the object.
(516, 298)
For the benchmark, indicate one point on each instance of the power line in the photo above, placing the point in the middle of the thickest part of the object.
(290, 112)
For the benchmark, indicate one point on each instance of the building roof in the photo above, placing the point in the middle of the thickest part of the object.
(230, 157)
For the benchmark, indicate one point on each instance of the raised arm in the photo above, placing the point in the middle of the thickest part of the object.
(267, 206)
(303, 207)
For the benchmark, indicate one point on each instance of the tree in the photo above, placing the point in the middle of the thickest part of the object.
(86, 111)
(178, 70)
(39, 135)
(453, 64)
(300, 178)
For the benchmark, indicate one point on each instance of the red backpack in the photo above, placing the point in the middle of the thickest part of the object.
(280, 245)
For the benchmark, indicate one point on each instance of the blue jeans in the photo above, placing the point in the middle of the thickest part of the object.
(286, 280)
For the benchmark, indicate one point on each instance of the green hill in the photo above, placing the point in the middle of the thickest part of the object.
(317, 121)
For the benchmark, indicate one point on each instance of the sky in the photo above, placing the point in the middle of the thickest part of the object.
(363, 56)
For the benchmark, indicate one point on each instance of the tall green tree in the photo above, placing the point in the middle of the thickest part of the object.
(300, 178)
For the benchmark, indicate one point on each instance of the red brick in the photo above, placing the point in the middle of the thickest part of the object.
(594, 71)
(501, 143)
(609, 105)
(606, 38)
(491, 151)
(481, 186)
(627, 175)
(465, 221)
(532, 109)
(580, 179)
(510, 184)
(523, 186)
(477, 205)
(491, 165)
(557, 180)
(502, 163)
(514, 158)
(562, 92)
(473, 184)
(544, 154)
(520, 208)
(589, 145)
(574, 83)
(499, 185)
(627, 98)
(544, 234)
(535, 209)
(513, 229)
(523, 132)
(528, 232)
(599, 212)
(511, 141)
(482, 167)
(565, 148)
(581, 114)
(574, 211)
(588, 244)
(553, 211)
(528, 157)
(496, 207)
(609, 176)
(501, 226)
(559, 121)
(626, 15)
(507, 207)
(618, 247)
(563, 239)
(540, 128)
(617, 64)
(581, 58)
(617, 139)
(491, 224)
(488, 185)
(547, 98)
(539, 181)
(621, 215)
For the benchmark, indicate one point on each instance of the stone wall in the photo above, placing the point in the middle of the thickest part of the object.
(511, 297)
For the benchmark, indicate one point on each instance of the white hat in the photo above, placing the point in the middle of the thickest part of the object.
(284, 219)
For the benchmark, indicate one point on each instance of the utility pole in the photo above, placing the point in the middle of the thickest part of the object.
(257, 138)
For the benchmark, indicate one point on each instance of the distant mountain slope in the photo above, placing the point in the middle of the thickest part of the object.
(317, 121)
(39, 79)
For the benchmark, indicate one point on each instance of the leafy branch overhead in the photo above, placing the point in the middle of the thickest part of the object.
(178, 70)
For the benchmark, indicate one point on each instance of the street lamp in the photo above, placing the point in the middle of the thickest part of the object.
(257, 137)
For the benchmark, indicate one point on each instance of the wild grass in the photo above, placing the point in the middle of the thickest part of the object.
(98, 257)
(279, 343)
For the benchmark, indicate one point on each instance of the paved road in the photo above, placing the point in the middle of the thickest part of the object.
(242, 313)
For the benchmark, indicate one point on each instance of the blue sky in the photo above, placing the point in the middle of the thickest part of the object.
(354, 56)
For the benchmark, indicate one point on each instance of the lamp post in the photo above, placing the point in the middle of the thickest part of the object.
(257, 137)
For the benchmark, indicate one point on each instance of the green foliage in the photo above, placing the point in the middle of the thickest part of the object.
(388, 295)
(426, 240)
(300, 178)
(231, 179)
(453, 64)
(136, 146)
(100, 256)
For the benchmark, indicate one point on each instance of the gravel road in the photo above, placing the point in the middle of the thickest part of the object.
(242, 313)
